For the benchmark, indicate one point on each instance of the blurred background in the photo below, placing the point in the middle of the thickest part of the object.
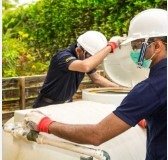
(33, 30)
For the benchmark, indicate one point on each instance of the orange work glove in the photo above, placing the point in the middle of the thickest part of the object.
(142, 123)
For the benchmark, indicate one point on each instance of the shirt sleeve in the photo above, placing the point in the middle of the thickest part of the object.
(140, 103)
(64, 60)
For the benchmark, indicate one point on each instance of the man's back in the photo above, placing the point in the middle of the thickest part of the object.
(148, 100)
(60, 83)
(157, 121)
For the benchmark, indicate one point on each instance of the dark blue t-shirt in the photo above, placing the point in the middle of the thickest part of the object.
(148, 100)
(60, 83)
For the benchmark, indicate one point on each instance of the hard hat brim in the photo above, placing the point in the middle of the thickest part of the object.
(128, 40)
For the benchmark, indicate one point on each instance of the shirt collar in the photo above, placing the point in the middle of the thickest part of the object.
(158, 66)
(72, 49)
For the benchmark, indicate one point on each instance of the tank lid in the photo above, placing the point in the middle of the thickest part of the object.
(120, 69)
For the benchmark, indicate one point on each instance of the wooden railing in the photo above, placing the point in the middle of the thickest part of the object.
(20, 92)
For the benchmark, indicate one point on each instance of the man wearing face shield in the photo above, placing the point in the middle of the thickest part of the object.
(68, 67)
(140, 53)
(143, 53)
(147, 100)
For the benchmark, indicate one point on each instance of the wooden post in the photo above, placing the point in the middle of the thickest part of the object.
(22, 92)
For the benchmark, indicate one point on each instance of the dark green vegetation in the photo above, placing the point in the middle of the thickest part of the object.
(32, 34)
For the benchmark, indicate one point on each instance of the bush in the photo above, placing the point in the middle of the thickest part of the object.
(50, 25)
(18, 59)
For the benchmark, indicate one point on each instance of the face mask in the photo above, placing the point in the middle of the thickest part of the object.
(135, 56)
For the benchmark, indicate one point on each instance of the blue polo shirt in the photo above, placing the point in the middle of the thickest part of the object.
(60, 83)
(148, 100)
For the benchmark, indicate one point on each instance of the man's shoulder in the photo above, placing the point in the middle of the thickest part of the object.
(141, 88)
(63, 57)
(64, 53)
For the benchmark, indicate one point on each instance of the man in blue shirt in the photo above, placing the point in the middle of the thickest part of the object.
(147, 100)
(68, 67)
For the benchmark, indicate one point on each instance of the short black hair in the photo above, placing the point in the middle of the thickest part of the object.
(164, 39)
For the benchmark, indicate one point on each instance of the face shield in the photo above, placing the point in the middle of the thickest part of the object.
(138, 52)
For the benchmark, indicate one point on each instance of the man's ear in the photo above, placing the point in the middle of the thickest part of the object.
(78, 50)
(158, 46)
(80, 53)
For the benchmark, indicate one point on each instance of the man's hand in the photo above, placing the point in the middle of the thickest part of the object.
(117, 40)
(36, 120)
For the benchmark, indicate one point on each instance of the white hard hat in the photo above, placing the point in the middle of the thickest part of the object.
(92, 41)
(148, 23)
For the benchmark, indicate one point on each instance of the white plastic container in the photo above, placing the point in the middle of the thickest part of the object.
(105, 95)
(120, 69)
(130, 145)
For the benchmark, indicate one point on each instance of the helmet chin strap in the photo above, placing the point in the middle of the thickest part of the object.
(142, 53)
(152, 56)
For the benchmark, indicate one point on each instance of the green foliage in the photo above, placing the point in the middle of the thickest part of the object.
(18, 59)
(49, 25)
(7, 4)
(12, 48)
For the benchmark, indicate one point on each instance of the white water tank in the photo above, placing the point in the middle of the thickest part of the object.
(119, 68)
(129, 145)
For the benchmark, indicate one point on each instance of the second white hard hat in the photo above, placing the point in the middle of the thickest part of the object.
(92, 41)
(148, 23)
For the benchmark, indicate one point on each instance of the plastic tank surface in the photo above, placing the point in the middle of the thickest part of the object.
(105, 95)
(120, 69)
(96, 104)
(130, 145)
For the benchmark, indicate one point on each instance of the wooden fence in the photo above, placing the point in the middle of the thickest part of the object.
(20, 92)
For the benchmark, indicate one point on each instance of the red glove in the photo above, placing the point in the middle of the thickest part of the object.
(142, 123)
(113, 46)
(115, 42)
(44, 124)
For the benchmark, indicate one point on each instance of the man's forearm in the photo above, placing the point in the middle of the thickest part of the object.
(84, 134)
(103, 82)
(94, 134)
(97, 59)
